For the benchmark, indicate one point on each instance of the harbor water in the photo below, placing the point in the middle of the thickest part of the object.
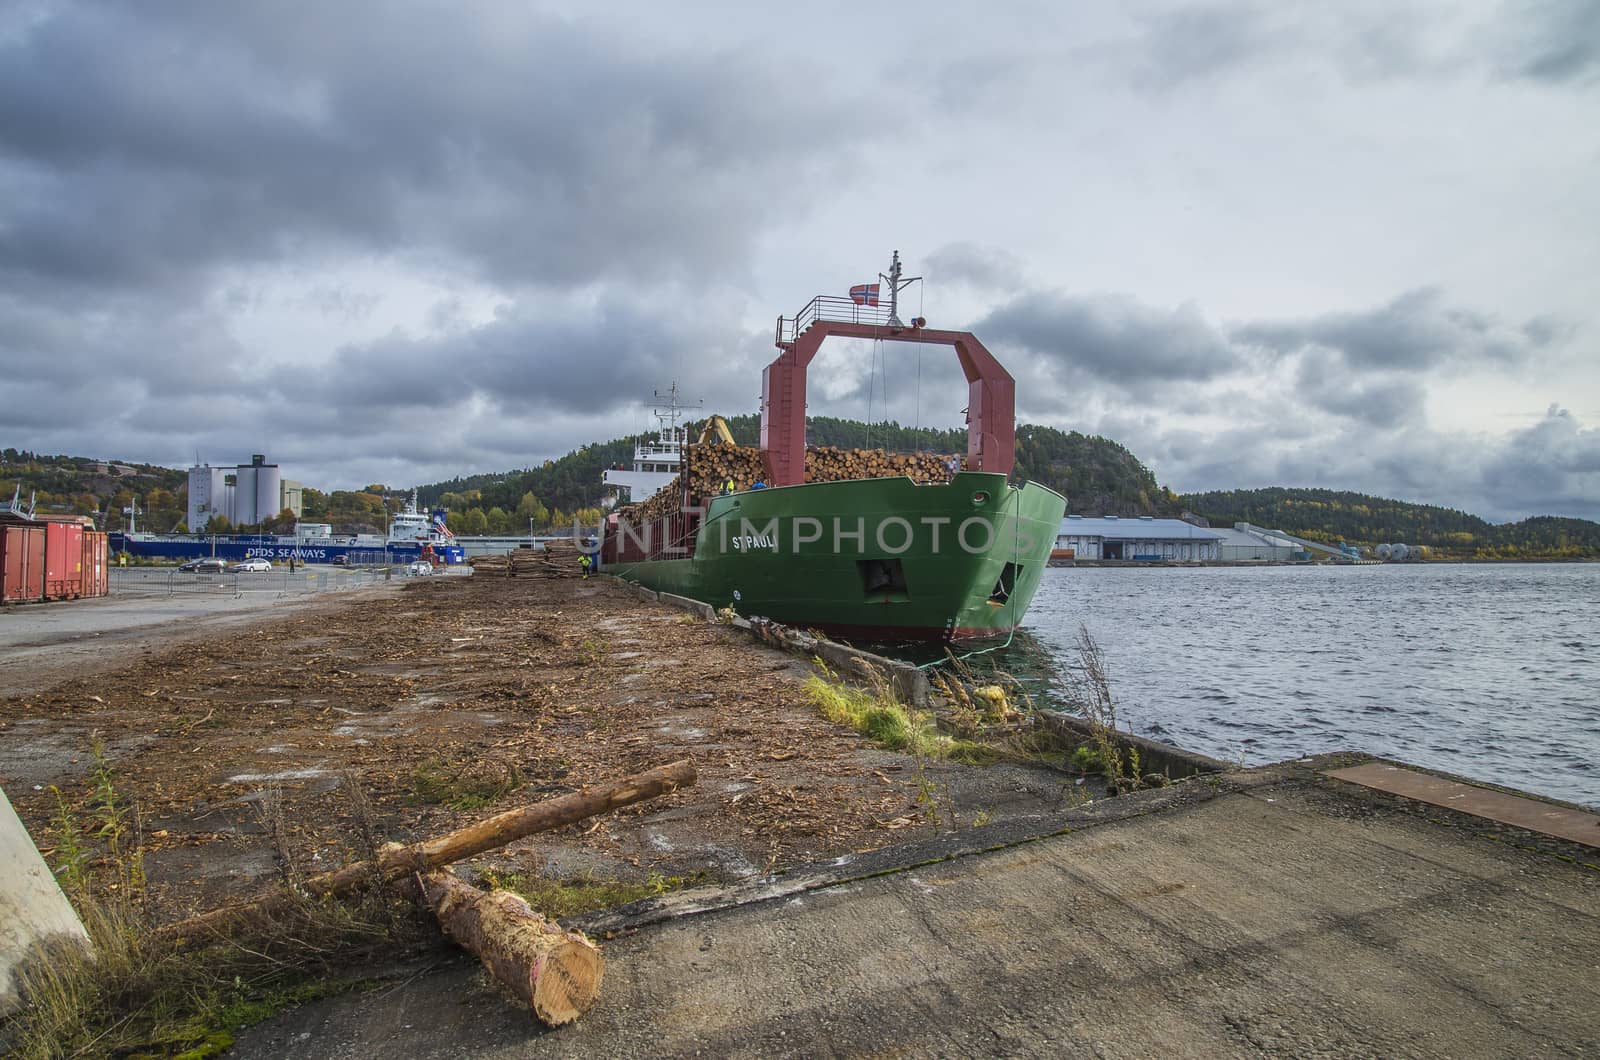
(1487, 671)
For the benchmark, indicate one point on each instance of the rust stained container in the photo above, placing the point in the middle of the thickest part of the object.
(62, 560)
(96, 563)
(52, 559)
(22, 557)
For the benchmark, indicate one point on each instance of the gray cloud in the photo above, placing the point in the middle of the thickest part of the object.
(1114, 338)
(1551, 41)
(1552, 467)
(987, 269)
(1554, 41)
(1204, 41)
(1379, 401)
(140, 144)
(1414, 332)
(410, 240)
(585, 356)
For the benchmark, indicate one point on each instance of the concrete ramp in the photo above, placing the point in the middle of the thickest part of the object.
(1535, 815)
(1271, 912)
(32, 908)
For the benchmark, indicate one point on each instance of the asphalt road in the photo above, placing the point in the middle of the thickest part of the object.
(1282, 913)
(41, 643)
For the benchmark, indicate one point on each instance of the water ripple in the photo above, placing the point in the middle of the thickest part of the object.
(1488, 671)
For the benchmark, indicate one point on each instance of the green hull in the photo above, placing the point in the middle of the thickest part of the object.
(871, 559)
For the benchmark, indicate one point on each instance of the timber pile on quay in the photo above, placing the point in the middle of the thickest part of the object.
(559, 558)
(711, 466)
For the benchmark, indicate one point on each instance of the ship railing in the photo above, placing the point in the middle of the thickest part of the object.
(829, 307)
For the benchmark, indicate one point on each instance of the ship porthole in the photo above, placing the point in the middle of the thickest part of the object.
(979, 499)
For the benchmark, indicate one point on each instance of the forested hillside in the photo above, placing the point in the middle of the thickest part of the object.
(80, 485)
(1097, 476)
(1329, 515)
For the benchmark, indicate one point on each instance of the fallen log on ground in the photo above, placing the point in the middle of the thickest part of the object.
(554, 971)
(396, 862)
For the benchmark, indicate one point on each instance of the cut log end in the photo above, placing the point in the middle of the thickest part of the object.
(556, 973)
(568, 982)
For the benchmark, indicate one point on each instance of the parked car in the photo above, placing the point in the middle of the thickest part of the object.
(420, 566)
(251, 566)
(204, 566)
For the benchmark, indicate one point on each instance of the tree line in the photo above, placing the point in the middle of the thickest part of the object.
(1096, 475)
(1334, 515)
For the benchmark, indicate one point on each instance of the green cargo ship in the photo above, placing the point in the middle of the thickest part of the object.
(876, 559)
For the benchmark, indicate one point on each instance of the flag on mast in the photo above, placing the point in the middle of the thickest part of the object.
(864, 294)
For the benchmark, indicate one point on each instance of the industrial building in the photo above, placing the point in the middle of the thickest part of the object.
(1246, 543)
(1141, 538)
(246, 494)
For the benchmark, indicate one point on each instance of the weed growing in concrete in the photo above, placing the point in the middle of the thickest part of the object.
(876, 712)
(995, 714)
(1084, 759)
(72, 858)
(136, 992)
(469, 785)
(928, 792)
(561, 898)
(1089, 689)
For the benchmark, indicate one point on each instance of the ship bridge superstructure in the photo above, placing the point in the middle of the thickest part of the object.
(656, 461)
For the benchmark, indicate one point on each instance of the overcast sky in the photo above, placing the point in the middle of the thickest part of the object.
(1351, 245)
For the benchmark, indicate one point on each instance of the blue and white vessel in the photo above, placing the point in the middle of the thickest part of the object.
(410, 532)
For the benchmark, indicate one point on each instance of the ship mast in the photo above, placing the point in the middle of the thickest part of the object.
(667, 411)
(896, 285)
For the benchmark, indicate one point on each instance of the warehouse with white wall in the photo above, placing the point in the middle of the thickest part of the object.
(1245, 543)
(1142, 538)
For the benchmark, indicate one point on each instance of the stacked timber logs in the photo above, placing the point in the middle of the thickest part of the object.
(559, 559)
(711, 466)
(828, 464)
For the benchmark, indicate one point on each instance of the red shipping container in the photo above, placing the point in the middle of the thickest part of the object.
(96, 566)
(22, 555)
(52, 559)
(61, 557)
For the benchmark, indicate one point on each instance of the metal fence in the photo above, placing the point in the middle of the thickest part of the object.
(158, 581)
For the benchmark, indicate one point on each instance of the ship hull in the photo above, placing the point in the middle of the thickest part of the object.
(265, 546)
(876, 560)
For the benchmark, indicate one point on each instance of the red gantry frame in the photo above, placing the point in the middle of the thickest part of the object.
(991, 392)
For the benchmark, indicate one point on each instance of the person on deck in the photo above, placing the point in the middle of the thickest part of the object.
(585, 561)
(727, 487)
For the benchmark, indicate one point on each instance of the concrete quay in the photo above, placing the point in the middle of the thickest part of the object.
(1271, 911)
